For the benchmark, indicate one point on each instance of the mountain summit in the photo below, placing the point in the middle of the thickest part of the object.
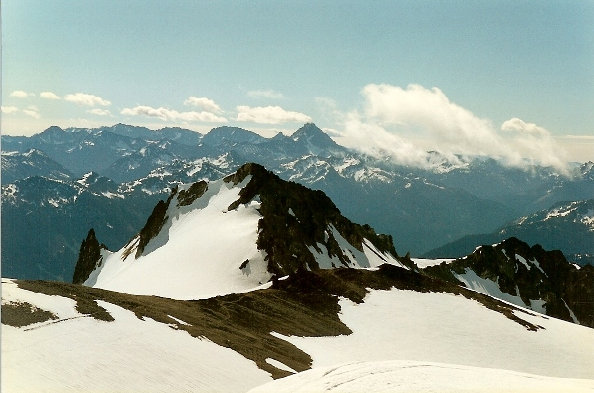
(233, 235)
(316, 140)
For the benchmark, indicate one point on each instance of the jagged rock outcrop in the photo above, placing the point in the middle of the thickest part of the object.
(529, 276)
(295, 218)
(89, 258)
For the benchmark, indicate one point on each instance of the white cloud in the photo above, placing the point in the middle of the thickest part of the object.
(99, 112)
(406, 123)
(204, 103)
(269, 115)
(49, 95)
(21, 94)
(86, 99)
(265, 94)
(32, 111)
(166, 114)
(535, 143)
(9, 109)
(518, 125)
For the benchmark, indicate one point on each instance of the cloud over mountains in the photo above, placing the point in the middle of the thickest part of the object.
(269, 115)
(407, 122)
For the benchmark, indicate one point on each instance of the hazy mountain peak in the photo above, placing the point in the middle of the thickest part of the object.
(53, 129)
(220, 135)
(315, 140)
(311, 131)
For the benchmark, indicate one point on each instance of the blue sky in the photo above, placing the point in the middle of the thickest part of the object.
(457, 76)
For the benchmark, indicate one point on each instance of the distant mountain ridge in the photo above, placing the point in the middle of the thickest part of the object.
(568, 226)
(422, 209)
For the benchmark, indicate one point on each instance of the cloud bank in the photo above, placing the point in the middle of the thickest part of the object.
(49, 95)
(407, 122)
(21, 94)
(204, 103)
(32, 111)
(9, 109)
(99, 112)
(87, 99)
(269, 115)
(167, 114)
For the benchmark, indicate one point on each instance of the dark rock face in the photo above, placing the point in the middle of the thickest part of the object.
(579, 295)
(564, 288)
(153, 226)
(196, 190)
(89, 258)
(295, 217)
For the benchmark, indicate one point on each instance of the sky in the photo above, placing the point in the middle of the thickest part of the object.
(508, 79)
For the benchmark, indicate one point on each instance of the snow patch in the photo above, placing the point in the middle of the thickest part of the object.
(561, 211)
(522, 260)
(280, 365)
(488, 287)
(423, 263)
(571, 314)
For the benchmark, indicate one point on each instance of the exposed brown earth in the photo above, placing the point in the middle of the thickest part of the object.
(304, 304)
(24, 314)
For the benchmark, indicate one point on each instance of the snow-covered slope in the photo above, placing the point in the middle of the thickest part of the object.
(197, 253)
(77, 353)
(232, 235)
(405, 376)
(395, 340)
(446, 328)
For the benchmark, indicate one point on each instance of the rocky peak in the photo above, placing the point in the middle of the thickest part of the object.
(53, 134)
(528, 272)
(296, 220)
(299, 229)
(225, 134)
(89, 258)
(314, 137)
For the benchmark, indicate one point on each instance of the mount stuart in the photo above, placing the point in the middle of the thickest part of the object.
(59, 183)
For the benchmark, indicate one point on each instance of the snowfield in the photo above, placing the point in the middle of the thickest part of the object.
(402, 376)
(423, 263)
(445, 328)
(402, 341)
(197, 254)
(83, 354)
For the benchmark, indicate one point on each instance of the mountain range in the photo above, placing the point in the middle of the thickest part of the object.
(48, 205)
(250, 282)
(566, 225)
